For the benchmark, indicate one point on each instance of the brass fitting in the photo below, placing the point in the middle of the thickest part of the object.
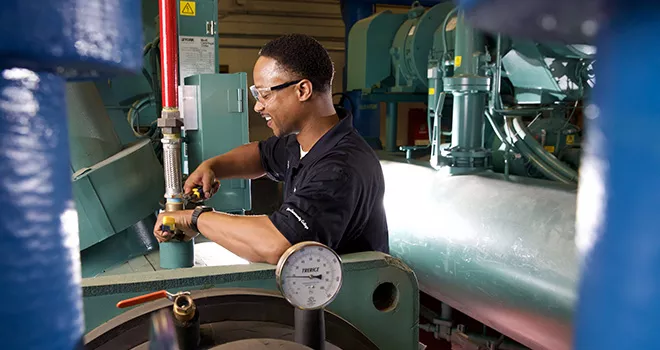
(173, 206)
(184, 308)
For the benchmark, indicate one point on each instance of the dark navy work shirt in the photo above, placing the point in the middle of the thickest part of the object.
(334, 194)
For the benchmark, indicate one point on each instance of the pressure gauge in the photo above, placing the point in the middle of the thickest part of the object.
(309, 275)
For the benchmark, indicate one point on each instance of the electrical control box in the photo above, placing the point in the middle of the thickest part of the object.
(215, 117)
(198, 38)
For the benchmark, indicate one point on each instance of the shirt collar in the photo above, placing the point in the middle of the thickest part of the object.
(328, 141)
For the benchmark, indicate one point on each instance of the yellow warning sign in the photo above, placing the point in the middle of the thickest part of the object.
(431, 91)
(570, 139)
(457, 61)
(187, 8)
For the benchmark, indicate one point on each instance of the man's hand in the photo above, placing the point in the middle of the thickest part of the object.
(182, 222)
(205, 177)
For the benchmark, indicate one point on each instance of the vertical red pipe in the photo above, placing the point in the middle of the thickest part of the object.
(169, 52)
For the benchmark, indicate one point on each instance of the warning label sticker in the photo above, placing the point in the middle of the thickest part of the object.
(187, 8)
(196, 55)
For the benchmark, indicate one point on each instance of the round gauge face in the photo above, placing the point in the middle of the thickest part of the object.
(309, 275)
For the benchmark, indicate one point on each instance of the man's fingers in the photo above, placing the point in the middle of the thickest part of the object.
(189, 185)
(216, 186)
(207, 185)
(162, 236)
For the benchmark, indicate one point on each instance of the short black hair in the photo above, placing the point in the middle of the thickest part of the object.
(304, 56)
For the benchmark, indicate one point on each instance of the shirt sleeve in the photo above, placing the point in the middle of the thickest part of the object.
(273, 155)
(321, 209)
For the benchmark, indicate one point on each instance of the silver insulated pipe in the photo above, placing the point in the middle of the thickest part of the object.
(502, 252)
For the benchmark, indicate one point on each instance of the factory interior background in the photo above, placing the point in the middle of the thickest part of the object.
(504, 165)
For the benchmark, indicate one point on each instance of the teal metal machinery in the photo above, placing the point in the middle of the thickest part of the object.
(497, 247)
(406, 39)
(469, 86)
(116, 150)
(379, 297)
(215, 116)
(412, 45)
(213, 106)
(119, 185)
(548, 73)
(116, 188)
(549, 81)
(460, 67)
(214, 103)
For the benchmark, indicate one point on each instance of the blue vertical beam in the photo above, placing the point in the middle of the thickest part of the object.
(618, 231)
(42, 42)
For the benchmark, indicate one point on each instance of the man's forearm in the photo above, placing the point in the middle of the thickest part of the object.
(254, 238)
(242, 162)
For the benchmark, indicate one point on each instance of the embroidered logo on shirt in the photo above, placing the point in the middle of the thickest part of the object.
(298, 217)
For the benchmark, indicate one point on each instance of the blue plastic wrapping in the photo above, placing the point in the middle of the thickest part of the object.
(42, 43)
(39, 258)
(619, 196)
(72, 37)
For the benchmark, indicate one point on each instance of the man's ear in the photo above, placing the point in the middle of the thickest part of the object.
(304, 90)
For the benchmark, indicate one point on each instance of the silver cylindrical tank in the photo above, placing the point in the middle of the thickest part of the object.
(501, 251)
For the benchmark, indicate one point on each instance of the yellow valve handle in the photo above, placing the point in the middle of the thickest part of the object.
(169, 224)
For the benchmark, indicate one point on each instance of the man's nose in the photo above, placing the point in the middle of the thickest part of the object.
(258, 107)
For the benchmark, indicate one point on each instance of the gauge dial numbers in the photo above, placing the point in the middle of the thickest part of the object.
(309, 275)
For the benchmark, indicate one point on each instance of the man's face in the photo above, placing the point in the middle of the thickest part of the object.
(279, 107)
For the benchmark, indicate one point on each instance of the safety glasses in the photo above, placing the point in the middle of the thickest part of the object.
(263, 92)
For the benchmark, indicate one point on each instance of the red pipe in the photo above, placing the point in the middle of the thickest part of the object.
(169, 52)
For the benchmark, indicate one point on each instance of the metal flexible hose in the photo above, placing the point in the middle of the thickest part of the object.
(524, 149)
(545, 156)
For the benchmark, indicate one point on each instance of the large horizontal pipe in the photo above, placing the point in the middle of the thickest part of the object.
(502, 252)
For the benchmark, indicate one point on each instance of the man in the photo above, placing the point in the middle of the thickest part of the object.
(333, 182)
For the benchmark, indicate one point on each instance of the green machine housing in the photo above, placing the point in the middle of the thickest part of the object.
(406, 41)
(215, 113)
(116, 187)
(116, 164)
(420, 60)
(541, 86)
(213, 106)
